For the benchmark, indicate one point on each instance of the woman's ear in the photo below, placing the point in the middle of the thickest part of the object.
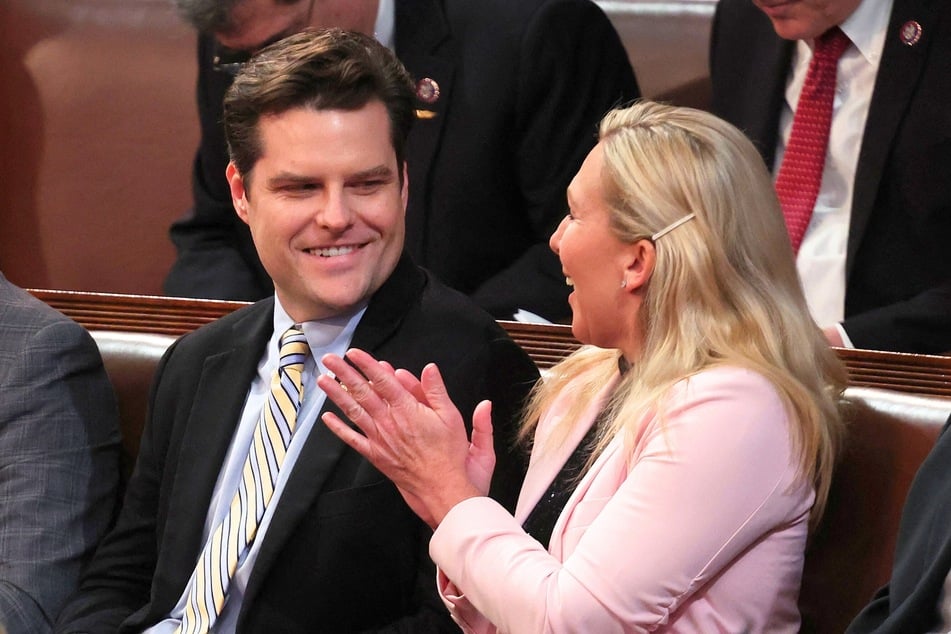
(239, 193)
(639, 259)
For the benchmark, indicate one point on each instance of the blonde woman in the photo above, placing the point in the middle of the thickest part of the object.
(679, 459)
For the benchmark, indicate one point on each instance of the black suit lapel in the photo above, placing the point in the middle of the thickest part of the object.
(219, 399)
(420, 28)
(323, 449)
(898, 76)
(749, 67)
(769, 83)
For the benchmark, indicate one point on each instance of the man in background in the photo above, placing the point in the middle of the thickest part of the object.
(508, 97)
(873, 258)
(59, 458)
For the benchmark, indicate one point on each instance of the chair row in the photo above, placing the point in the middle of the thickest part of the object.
(897, 404)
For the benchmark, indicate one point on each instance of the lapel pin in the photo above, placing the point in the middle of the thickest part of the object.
(425, 114)
(427, 90)
(910, 33)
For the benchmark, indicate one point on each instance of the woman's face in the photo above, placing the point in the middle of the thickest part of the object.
(593, 260)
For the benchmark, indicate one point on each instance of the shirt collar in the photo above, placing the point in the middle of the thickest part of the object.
(866, 28)
(320, 333)
(385, 23)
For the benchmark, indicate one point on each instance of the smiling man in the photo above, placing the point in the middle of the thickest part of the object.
(245, 513)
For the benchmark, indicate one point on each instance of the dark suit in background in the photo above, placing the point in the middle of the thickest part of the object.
(343, 552)
(522, 86)
(898, 272)
(909, 603)
(59, 458)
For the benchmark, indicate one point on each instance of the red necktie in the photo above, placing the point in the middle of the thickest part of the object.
(800, 174)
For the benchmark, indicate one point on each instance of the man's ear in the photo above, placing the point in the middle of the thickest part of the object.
(404, 193)
(640, 258)
(239, 193)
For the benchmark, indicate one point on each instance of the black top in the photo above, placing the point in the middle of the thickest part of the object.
(541, 521)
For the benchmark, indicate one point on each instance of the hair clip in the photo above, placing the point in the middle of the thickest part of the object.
(660, 234)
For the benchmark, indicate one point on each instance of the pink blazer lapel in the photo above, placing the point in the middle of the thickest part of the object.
(547, 460)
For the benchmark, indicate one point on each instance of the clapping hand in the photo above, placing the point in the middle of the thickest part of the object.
(412, 431)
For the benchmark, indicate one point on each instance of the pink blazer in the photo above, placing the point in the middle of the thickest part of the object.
(699, 527)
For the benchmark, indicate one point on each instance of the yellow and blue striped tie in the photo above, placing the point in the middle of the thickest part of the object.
(208, 586)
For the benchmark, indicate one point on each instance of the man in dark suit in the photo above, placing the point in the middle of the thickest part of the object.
(59, 458)
(317, 129)
(874, 259)
(917, 598)
(508, 98)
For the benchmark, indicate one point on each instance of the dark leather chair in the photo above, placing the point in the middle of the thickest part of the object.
(130, 359)
(850, 555)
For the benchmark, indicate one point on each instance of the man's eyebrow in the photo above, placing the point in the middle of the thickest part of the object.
(285, 178)
(380, 171)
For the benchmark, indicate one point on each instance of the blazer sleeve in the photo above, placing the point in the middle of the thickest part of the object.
(573, 69)
(921, 324)
(59, 471)
(700, 489)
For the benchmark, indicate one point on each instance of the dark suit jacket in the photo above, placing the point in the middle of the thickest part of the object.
(523, 86)
(59, 458)
(898, 272)
(909, 603)
(343, 552)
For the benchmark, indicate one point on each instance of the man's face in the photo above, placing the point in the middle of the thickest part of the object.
(325, 206)
(806, 19)
(258, 23)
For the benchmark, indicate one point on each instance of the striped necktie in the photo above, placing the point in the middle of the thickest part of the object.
(800, 175)
(231, 538)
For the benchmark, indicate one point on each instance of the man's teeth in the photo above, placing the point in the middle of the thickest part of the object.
(330, 252)
(569, 281)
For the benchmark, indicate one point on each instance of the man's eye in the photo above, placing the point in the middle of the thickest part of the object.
(300, 187)
(368, 186)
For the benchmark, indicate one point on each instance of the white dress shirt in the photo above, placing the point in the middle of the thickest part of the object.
(385, 26)
(821, 258)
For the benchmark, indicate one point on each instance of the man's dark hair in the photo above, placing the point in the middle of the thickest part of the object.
(329, 69)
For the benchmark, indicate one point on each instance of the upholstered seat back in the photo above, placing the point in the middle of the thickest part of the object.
(850, 555)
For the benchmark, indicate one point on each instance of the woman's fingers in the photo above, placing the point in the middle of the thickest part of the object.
(355, 440)
(350, 407)
(482, 440)
(480, 461)
(381, 379)
(355, 385)
(437, 396)
(412, 385)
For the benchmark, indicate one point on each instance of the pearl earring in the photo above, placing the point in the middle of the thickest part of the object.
(623, 283)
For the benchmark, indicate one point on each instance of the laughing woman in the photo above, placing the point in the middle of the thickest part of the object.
(678, 459)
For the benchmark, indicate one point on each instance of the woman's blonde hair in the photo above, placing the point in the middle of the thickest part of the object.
(724, 290)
